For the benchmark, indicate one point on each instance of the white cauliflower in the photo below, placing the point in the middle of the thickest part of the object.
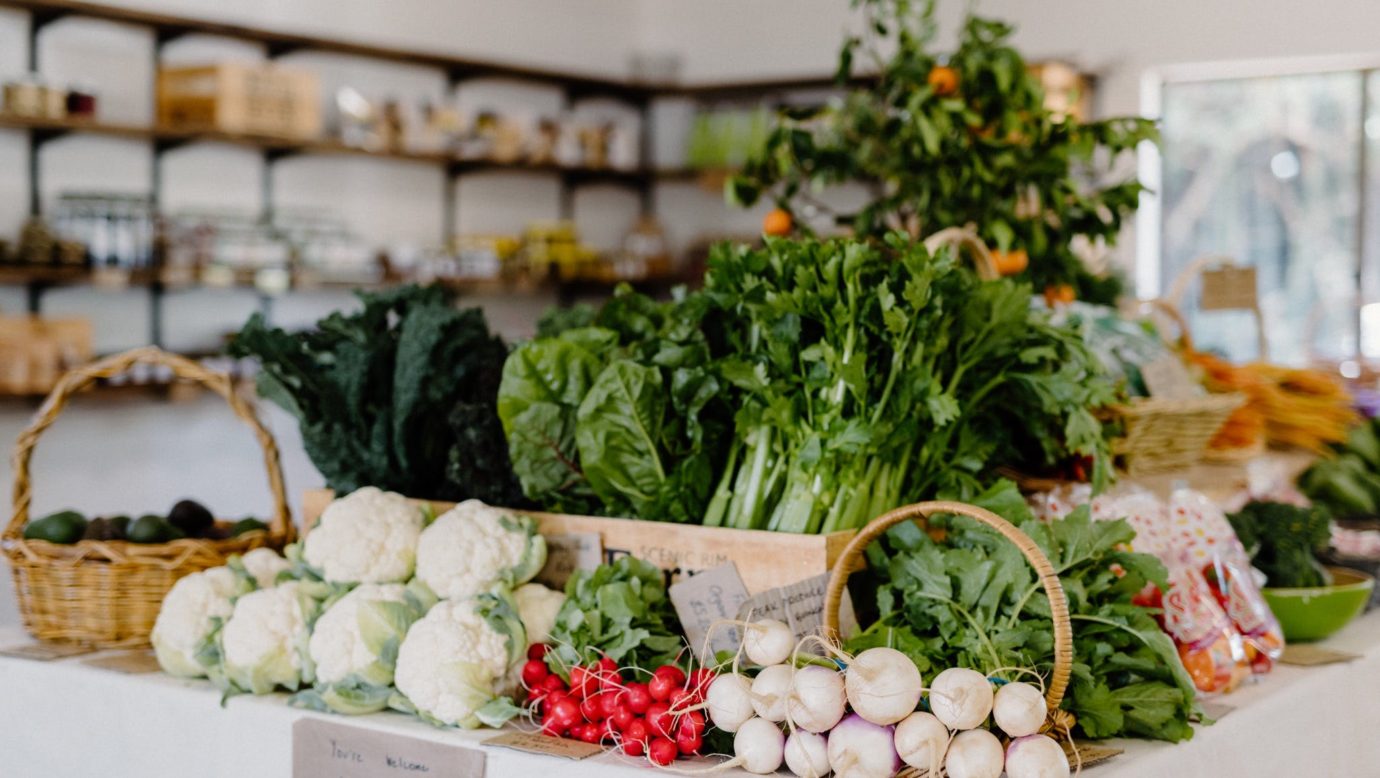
(194, 608)
(538, 606)
(368, 536)
(264, 644)
(263, 565)
(472, 548)
(453, 661)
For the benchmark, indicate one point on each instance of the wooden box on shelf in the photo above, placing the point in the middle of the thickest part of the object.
(241, 98)
(765, 560)
(35, 352)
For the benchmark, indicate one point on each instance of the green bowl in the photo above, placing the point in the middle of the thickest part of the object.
(1315, 612)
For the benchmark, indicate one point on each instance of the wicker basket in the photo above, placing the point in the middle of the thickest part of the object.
(961, 238)
(1059, 721)
(108, 593)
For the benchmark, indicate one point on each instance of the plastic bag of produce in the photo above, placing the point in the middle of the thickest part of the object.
(1209, 645)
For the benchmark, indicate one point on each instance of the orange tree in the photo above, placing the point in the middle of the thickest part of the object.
(949, 141)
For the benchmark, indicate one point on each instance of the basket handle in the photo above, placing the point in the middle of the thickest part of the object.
(1178, 289)
(852, 558)
(966, 238)
(80, 378)
(1171, 311)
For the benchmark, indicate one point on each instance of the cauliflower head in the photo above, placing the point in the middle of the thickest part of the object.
(537, 607)
(193, 610)
(264, 644)
(454, 659)
(473, 547)
(262, 566)
(368, 536)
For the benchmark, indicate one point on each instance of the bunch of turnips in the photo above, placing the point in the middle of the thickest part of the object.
(870, 715)
(382, 605)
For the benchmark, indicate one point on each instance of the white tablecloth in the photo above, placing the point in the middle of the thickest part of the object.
(65, 718)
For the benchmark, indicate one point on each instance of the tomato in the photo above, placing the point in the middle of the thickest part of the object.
(637, 697)
(533, 673)
(659, 719)
(621, 717)
(661, 751)
(635, 737)
(662, 687)
(536, 651)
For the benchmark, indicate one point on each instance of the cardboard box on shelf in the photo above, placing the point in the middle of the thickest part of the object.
(241, 98)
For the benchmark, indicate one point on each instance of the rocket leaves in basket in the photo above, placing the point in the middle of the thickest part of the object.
(974, 601)
(373, 390)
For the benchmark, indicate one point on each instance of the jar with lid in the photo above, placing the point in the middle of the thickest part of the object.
(81, 101)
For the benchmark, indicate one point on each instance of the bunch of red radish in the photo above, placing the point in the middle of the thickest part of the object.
(660, 718)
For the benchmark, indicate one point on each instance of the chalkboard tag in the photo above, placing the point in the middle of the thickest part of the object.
(1307, 655)
(700, 600)
(1228, 289)
(567, 552)
(329, 749)
(535, 743)
(130, 662)
(799, 606)
(46, 652)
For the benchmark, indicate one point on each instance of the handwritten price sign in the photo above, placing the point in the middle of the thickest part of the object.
(326, 749)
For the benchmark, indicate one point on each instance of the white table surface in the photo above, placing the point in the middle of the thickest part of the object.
(65, 718)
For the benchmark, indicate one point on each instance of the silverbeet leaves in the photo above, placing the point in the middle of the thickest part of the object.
(400, 395)
(974, 601)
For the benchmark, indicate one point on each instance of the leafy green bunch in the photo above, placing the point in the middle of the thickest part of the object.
(948, 141)
(623, 415)
(398, 395)
(618, 610)
(1284, 541)
(870, 374)
(975, 602)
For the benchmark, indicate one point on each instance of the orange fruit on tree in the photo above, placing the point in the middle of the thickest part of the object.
(1009, 263)
(777, 223)
(1059, 294)
(943, 80)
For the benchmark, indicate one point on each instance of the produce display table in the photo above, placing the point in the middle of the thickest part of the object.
(65, 718)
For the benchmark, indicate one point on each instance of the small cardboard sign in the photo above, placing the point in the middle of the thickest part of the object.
(536, 743)
(799, 606)
(567, 552)
(1166, 378)
(1088, 754)
(130, 662)
(329, 749)
(1308, 655)
(45, 652)
(700, 600)
(1228, 289)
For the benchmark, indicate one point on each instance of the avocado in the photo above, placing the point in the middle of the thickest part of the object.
(247, 525)
(111, 528)
(191, 517)
(153, 529)
(60, 527)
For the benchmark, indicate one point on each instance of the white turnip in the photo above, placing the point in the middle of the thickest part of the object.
(860, 749)
(816, 700)
(883, 685)
(974, 754)
(921, 741)
(770, 689)
(758, 746)
(729, 701)
(961, 698)
(1036, 756)
(1019, 709)
(807, 754)
(767, 642)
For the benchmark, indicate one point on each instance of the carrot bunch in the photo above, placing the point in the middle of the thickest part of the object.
(1286, 406)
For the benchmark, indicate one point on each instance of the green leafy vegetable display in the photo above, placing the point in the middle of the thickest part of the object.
(871, 375)
(399, 395)
(945, 140)
(624, 418)
(1284, 540)
(618, 610)
(974, 601)
(1348, 481)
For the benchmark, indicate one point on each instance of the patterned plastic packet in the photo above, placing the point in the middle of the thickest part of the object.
(1210, 647)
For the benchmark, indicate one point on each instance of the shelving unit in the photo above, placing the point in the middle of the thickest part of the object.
(457, 70)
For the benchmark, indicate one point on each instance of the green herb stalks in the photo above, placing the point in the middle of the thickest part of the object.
(976, 602)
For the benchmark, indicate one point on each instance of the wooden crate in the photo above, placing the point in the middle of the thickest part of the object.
(241, 98)
(35, 352)
(765, 560)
